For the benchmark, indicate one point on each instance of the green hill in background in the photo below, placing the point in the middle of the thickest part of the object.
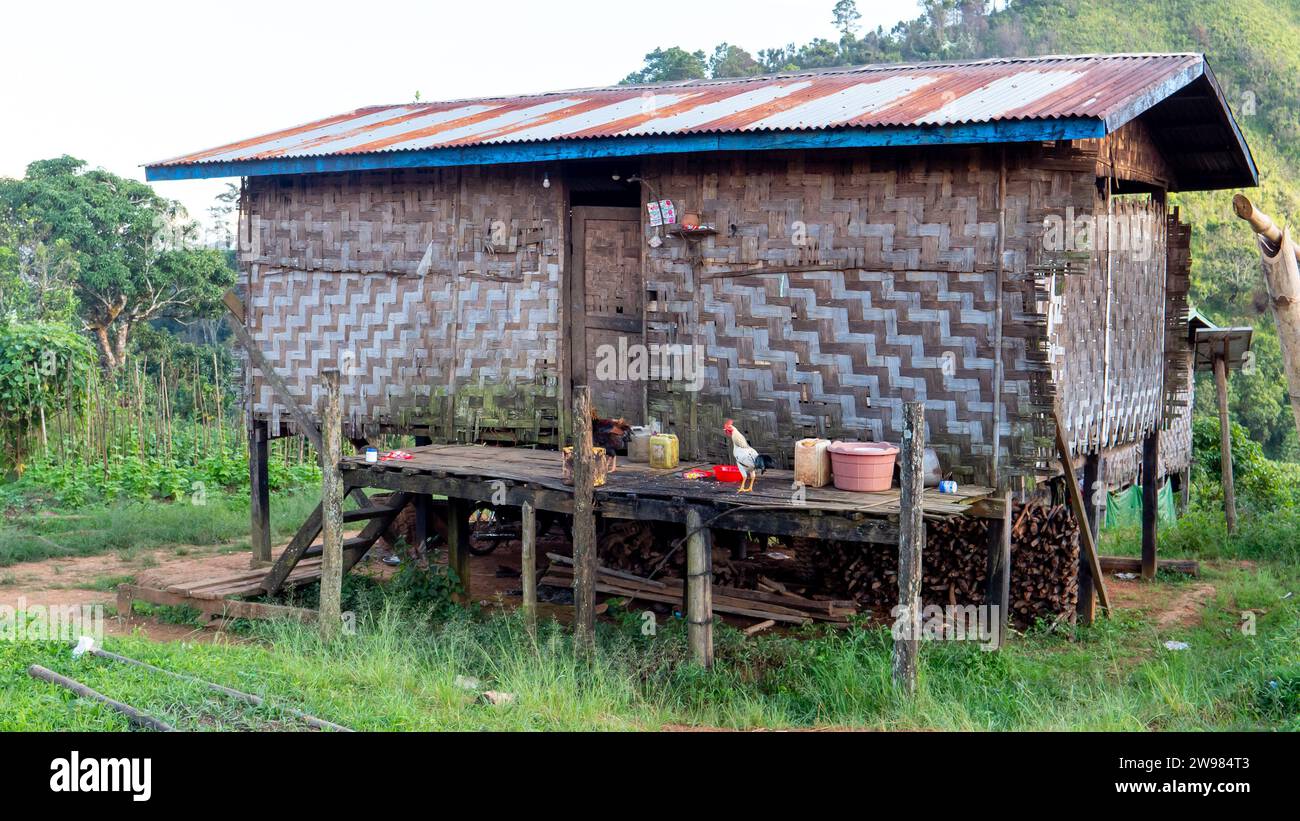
(1254, 50)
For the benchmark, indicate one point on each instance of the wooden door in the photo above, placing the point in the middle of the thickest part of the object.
(607, 289)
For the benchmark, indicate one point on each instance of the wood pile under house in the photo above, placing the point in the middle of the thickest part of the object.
(802, 253)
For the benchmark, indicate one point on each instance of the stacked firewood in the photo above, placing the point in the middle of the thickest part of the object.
(1044, 557)
(1044, 563)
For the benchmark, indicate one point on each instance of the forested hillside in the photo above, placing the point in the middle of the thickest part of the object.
(1253, 48)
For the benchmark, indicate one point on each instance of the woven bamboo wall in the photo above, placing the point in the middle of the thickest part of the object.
(838, 286)
(400, 278)
(900, 268)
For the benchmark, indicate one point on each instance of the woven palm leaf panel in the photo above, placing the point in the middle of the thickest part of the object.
(840, 285)
(435, 292)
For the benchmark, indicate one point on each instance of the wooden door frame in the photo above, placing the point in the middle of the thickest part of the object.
(577, 282)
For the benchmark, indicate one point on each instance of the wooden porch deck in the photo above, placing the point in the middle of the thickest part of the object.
(638, 491)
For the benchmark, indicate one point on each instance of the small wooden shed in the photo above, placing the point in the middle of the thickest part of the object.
(990, 237)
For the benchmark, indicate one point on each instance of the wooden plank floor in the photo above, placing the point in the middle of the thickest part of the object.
(543, 468)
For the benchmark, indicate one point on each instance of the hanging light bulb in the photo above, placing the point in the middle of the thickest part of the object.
(546, 180)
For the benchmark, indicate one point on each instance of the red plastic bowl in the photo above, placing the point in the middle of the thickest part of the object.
(727, 473)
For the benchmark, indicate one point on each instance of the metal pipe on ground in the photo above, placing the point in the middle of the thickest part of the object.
(255, 700)
(133, 715)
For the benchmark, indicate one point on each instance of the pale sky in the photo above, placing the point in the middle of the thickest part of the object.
(121, 84)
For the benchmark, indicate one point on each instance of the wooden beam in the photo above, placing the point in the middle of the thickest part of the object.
(458, 512)
(331, 575)
(528, 564)
(1133, 564)
(1225, 443)
(699, 592)
(259, 495)
(999, 569)
(911, 540)
(1150, 501)
(213, 608)
(1075, 498)
(584, 523)
(1093, 487)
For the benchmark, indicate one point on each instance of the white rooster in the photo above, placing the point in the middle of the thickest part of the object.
(751, 462)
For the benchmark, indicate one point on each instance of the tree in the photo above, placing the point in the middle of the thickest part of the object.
(733, 61)
(845, 16)
(132, 255)
(667, 65)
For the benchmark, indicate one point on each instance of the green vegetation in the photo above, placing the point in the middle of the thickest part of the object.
(400, 670)
(136, 527)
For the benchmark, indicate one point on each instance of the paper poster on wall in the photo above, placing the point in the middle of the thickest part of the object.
(669, 213)
(656, 217)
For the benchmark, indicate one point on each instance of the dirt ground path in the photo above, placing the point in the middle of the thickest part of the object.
(93, 580)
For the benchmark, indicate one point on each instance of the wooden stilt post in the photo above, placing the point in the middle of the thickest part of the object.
(911, 540)
(1225, 443)
(1075, 498)
(458, 512)
(699, 590)
(528, 565)
(1150, 502)
(999, 568)
(584, 523)
(1093, 487)
(421, 503)
(331, 576)
(259, 495)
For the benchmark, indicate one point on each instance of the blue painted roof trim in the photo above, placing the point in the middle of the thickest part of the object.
(1003, 131)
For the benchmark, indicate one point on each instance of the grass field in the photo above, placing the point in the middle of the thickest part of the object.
(400, 670)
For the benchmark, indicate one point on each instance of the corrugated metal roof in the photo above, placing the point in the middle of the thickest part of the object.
(1108, 88)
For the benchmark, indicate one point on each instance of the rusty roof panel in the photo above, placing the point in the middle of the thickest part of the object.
(1108, 89)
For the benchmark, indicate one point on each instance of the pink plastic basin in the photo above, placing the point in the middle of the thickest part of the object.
(862, 465)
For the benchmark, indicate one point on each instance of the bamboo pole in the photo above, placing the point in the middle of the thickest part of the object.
(247, 698)
(133, 715)
(331, 576)
(911, 540)
(1075, 498)
(1279, 255)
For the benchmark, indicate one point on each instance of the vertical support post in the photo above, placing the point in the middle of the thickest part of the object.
(999, 569)
(528, 565)
(458, 512)
(331, 576)
(1086, 608)
(1074, 497)
(584, 523)
(259, 494)
(911, 540)
(699, 589)
(1225, 443)
(421, 503)
(1150, 501)
(1184, 490)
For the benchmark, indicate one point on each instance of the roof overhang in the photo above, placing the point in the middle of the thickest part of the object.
(1175, 95)
(584, 149)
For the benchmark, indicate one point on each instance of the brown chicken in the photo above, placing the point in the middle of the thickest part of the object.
(610, 434)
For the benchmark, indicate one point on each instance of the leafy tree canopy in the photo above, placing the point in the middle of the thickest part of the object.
(125, 253)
